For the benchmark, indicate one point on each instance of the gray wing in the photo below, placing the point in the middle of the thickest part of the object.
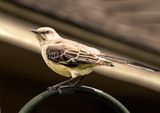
(71, 58)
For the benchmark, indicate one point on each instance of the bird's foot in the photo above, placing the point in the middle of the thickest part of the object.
(55, 87)
(58, 86)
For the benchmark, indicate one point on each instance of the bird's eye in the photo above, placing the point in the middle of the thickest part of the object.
(47, 32)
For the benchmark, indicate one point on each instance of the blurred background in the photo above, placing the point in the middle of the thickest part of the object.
(124, 28)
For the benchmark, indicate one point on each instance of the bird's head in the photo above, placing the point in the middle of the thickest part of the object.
(45, 34)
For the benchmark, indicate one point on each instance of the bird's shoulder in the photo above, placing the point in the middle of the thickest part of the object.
(81, 47)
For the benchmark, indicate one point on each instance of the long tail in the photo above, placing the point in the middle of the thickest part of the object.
(129, 62)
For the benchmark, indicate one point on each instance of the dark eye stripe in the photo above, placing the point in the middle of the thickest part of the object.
(45, 32)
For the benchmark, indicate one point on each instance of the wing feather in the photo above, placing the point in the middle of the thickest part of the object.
(71, 58)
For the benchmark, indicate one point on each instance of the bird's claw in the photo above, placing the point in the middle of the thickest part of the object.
(55, 87)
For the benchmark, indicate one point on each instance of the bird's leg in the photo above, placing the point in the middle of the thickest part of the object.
(79, 80)
(57, 86)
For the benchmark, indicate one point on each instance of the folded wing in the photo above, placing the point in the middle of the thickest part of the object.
(72, 58)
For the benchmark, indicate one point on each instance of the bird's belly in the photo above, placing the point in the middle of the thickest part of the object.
(69, 71)
(58, 68)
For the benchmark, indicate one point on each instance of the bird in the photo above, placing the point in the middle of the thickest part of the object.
(70, 58)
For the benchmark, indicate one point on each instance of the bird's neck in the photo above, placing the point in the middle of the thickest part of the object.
(56, 38)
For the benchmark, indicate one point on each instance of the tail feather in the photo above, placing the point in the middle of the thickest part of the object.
(129, 62)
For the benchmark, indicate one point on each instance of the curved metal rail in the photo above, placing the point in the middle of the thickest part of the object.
(111, 102)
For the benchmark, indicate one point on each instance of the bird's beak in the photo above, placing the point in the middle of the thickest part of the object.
(34, 31)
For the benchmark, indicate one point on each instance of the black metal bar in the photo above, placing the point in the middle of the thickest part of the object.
(69, 90)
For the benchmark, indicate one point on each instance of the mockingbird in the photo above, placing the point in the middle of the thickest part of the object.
(69, 58)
